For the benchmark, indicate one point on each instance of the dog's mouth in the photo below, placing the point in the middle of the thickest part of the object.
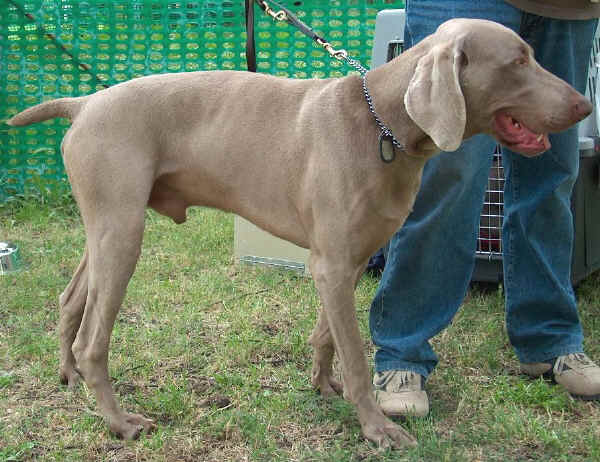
(517, 137)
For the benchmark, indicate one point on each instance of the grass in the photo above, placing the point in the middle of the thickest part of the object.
(216, 353)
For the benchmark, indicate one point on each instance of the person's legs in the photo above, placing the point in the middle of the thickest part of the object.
(541, 310)
(431, 259)
(542, 319)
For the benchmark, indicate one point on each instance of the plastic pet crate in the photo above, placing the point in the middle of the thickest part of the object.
(586, 218)
(389, 33)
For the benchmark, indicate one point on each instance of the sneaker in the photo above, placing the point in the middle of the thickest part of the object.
(576, 372)
(401, 393)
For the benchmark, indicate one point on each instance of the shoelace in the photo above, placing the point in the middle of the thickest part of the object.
(402, 379)
(561, 362)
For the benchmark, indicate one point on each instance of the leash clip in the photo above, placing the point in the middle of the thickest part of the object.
(338, 54)
(276, 15)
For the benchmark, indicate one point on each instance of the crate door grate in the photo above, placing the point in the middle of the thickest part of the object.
(489, 241)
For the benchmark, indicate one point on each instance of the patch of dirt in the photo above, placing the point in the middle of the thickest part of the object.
(217, 400)
(201, 384)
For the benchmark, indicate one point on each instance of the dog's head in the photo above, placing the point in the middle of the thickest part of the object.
(478, 76)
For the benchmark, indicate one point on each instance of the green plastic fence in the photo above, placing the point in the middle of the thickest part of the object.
(50, 49)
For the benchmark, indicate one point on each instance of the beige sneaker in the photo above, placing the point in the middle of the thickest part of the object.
(576, 372)
(401, 393)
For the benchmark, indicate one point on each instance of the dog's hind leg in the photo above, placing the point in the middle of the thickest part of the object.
(112, 204)
(72, 302)
(114, 245)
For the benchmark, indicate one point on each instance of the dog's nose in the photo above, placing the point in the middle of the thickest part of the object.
(581, 108)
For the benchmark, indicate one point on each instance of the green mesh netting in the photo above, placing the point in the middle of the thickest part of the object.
(51, 49)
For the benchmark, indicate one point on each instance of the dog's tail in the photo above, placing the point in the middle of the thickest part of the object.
(63, 107)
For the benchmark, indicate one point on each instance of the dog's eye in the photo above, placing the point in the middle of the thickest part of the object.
(521, 61)
(523, 57)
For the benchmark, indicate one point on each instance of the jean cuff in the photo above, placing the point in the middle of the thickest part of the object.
(403, 366)
(544, 356)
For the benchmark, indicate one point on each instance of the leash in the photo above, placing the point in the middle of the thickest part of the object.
(387, 141)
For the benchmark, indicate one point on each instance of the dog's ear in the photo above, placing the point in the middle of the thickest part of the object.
(434, 99)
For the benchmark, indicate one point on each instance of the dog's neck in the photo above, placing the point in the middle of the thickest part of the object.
(387, 85)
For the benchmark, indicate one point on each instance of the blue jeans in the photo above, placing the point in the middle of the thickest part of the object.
(431, 259)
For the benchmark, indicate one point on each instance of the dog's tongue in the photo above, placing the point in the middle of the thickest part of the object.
(518, 137)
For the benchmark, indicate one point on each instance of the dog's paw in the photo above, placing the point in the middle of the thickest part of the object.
(69, 377)
(327, 385)
(386, 433)
(131, 426)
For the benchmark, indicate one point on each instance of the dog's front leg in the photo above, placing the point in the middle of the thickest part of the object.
(322, 371)
(322, 342)
(335, 283)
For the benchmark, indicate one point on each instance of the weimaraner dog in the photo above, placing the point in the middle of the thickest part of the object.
(300, 159)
